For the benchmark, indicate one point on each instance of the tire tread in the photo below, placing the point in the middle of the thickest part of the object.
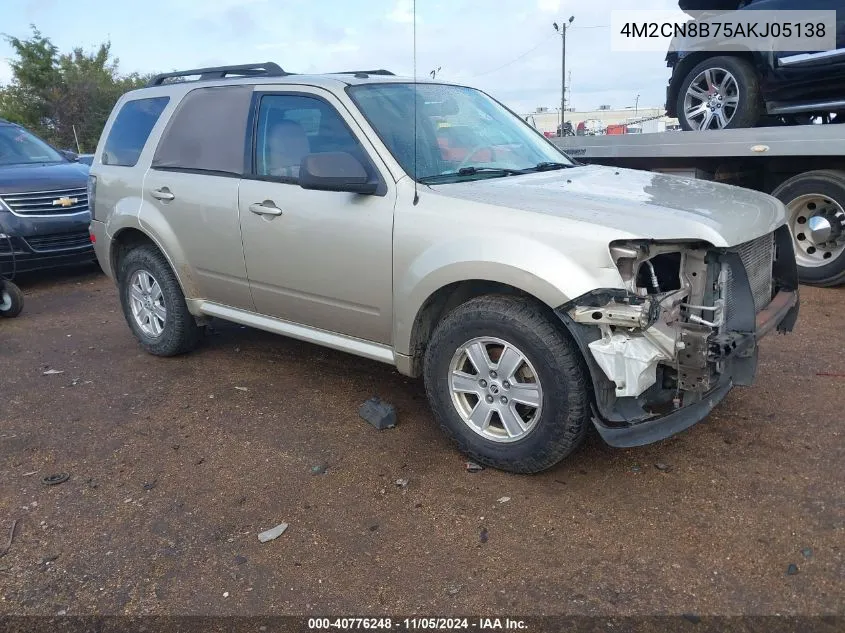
(184, 334)
(565, 437)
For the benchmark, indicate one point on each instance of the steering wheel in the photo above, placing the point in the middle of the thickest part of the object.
(472, 153)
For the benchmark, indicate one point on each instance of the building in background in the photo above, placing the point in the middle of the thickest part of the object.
(605, 120)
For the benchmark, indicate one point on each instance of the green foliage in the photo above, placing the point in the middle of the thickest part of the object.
(52, 93)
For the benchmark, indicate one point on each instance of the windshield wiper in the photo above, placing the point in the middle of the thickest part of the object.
(550, 166)
(472, 171)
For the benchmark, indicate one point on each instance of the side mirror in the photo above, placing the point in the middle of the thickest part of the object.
(335, 171)
(71, 156)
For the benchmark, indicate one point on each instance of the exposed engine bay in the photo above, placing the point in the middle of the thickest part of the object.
(661, 322)
(687, 322)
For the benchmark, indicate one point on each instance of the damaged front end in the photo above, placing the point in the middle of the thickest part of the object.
(667, 348)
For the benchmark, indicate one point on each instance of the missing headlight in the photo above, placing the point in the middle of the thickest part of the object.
(661, 273)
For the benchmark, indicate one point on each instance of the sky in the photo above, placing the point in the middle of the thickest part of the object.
(505, 47)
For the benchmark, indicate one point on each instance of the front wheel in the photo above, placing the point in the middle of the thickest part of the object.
(815, 203)
(507, 385)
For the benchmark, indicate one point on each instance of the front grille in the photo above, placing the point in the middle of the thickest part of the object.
(57, 202)
(758, 257)
(59, 241)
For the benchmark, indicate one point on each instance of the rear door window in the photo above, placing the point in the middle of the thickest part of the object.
(207, 133)
(131, 129)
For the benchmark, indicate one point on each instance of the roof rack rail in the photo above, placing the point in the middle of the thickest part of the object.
(380, 71)
(265, 69)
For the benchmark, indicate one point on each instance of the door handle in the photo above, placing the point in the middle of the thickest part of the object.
(265, 208)
(162, 194)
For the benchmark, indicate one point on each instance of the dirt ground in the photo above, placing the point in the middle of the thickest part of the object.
(176, 465)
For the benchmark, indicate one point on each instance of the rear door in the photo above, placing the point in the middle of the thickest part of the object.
(317, 258)
(809, 66)
(191, 193)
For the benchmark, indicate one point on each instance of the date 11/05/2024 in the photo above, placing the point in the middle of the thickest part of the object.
(414, 624)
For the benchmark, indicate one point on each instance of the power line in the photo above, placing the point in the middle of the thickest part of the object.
(513, 61)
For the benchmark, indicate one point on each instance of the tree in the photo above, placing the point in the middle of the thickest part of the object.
(54, 94)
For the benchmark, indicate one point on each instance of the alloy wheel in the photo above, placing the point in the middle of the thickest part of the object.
(495, 389)
(147, 302)
(712, 99)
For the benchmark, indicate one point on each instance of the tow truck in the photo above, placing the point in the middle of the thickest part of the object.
(801, 165)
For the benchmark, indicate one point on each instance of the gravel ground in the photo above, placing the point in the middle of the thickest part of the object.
(176, 465)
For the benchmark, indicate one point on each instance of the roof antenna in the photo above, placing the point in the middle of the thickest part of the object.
(416, 98)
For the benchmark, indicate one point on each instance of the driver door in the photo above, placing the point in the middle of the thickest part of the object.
(321, 259)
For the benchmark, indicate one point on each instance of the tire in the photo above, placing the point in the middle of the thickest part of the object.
(748, 111)
(11, 300)
(179, 332)
(816, 189)
(563, 417)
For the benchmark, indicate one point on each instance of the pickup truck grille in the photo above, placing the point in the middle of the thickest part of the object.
(57, 202)
(758, 257)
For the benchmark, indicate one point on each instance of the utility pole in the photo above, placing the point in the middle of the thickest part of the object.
(637, 105)
(562, 30)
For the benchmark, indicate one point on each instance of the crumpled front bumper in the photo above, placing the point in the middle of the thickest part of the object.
(782, 309)
(627, 422)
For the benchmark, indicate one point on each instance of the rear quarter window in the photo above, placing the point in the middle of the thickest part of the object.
(131, 129)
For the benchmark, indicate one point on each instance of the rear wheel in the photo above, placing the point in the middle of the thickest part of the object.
(153, 304)
(507, 385)
(815, 203)
(720, 93)
(11, 299)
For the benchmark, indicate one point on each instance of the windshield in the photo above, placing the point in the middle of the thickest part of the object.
(461, 132)
(19, 147)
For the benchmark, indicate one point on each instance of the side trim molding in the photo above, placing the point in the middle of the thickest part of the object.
(341, 342)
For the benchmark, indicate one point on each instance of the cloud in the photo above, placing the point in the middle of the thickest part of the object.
(511, 51)
(5, 72)
(402, 12)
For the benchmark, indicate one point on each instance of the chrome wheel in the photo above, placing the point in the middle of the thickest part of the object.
(495, 389)
(5, 301)
(818, 229)
(147, 303)
(712, 99)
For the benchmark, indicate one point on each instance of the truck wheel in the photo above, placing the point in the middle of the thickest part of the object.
(720, 93)
(815, 203)
(153, 304)
(507, 385)
(11, 299)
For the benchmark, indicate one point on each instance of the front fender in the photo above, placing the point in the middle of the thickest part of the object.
(526, 264)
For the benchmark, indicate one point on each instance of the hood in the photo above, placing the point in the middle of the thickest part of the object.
(42, 177)
(640, 204)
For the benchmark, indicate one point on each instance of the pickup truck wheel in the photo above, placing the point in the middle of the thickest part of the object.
(11, 299)
(507, 385)
(815, 203)
(153, 304)
(720, 93)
